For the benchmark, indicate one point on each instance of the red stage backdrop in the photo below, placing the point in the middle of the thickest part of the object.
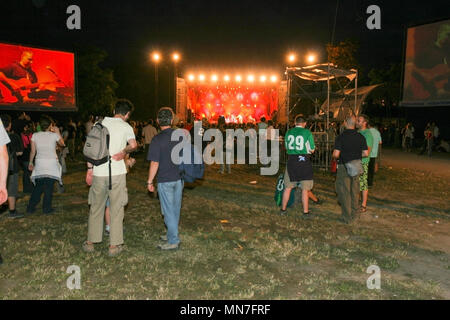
(237, 103)
(36, 79)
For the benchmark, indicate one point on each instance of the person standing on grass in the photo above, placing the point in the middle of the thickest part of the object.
(362, 125)
(349, 145)
(170, 184)
(374, 153)
(46, 169)
(4, 140)
(98, 177)
(149, 132)
(15, 149)
(299, 172)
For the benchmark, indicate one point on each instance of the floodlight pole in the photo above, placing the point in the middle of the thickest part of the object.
(156, 85)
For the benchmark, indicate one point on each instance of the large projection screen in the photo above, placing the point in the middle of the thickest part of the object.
(36, 79)
(427, 71)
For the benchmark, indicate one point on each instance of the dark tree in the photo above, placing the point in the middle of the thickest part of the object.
(96, 86)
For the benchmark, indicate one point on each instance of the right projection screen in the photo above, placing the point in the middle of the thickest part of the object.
(426, 70)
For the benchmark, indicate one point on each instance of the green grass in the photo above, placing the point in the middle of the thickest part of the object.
(256, 254)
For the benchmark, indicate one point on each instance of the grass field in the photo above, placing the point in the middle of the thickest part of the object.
(236, 246)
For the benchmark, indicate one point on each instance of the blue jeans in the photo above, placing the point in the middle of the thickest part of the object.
(170, 194)
(43, 185)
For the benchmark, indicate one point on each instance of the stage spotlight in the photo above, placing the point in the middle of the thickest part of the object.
(201, 77)
(238, 78)
(226, 78)
(273, 78)
(191, 77)
(214, 78)
(311, 58)
(251, 78)
(291, 57)
(263, 78)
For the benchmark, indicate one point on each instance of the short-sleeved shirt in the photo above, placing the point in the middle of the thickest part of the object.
(16, 71)
(369, 140)
(376, 142)
(299, 140)
(160, 150)
(351, 144)
(120, 132)
(4, 138)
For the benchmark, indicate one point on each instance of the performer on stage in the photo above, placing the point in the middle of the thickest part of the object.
(16, 71)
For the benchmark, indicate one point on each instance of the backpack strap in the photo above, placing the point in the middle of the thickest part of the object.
(109, 162)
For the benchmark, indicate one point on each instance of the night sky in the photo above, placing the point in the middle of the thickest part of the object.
(213, 34)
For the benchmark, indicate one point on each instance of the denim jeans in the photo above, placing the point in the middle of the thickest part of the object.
(43, 185)
(170, 194)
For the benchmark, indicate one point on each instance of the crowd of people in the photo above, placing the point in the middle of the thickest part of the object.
(39, 149)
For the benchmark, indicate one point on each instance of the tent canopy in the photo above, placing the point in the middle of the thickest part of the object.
(321, 72)
(342, 105)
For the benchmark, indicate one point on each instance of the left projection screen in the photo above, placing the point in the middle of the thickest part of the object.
(36, 79)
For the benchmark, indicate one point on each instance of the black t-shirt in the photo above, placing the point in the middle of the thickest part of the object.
(351, 144)
(160, 151)
(14, 146)
(16, 71)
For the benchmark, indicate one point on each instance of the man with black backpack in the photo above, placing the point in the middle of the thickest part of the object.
(107, 177)
(170, 184)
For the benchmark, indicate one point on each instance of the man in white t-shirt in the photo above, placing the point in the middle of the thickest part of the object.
(122, 142)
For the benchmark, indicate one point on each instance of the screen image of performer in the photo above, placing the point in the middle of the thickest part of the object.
(17, 71)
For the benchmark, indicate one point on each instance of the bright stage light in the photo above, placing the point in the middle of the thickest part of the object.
(201, 77)
(238, 78)
(263, 78)
(291, 57)
(191, 77)
(214, 78)
(251, 78)
(273, 78)
(311, 58)
(226, 78)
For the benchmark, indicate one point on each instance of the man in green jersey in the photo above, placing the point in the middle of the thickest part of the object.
(362, 125)
(299, 172)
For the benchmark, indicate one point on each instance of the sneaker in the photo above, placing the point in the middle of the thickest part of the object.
(168, 246)
(307, 214)
(15, 215)
(317, 202)
(115, 251)
(88, 247)
(163, 237)
(283, 212)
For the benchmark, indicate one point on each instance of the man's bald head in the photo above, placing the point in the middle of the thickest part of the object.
(350, 122)
(26, 59)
